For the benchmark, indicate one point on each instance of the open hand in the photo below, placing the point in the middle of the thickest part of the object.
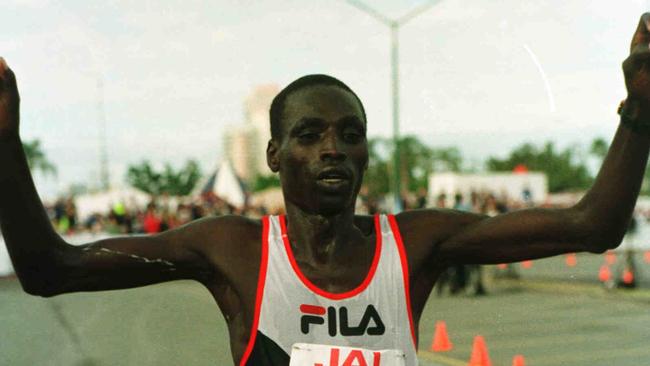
(637, 66)
(9, 102)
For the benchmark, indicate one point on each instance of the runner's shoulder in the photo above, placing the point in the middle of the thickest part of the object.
(435, 224)
(227, 232)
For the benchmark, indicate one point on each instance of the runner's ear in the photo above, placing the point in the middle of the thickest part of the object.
(272, 159)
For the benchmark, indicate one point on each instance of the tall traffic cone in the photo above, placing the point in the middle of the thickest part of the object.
(610, 257)
(527, 264)
(571, 260)
(628, 276)
(441, 341)
(604, 274)
(646, 256)
(518, 360)
(480, 355)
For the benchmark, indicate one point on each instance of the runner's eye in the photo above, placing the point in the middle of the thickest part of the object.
(353, 137)
(308, 136)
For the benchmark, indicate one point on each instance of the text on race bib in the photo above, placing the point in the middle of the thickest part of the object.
(303, 354)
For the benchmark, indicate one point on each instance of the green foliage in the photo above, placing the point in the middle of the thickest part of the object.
(599, 148)
(447, 159)
(377, 177)
(417, 161)
(564, 170)
(36, 158)
(262, 182)
(174, 182)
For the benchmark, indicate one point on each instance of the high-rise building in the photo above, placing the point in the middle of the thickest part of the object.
(245, 144)
(236, 144)
(256, 113)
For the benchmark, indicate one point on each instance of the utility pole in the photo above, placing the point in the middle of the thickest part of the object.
(394, 25)
(104, 178)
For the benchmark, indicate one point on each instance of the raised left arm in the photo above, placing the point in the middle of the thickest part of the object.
(599, 221)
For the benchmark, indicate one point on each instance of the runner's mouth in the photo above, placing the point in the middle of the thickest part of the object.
(333, 178)
(334, 174)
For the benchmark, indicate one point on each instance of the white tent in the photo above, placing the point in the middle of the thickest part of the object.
(225, 184)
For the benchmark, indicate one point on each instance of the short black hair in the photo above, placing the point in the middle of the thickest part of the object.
(277, 106)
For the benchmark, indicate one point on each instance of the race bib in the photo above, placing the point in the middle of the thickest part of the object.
(303, 354)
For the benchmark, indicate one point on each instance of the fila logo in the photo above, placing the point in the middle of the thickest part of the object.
(338, 322)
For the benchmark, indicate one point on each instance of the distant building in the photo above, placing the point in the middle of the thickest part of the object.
(237, 146)
(256, 113)
(245, 144)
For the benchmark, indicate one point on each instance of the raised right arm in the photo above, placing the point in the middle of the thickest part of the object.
(46, 265)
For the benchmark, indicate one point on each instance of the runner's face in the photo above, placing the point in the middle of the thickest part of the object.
(324, 152)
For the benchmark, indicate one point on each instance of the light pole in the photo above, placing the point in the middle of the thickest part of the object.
(104, 179)
(394, 25)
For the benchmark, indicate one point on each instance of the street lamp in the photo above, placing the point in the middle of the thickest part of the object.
(104, 179)
(394, 25)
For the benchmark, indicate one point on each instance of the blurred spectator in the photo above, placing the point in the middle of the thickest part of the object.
(441, 200)
(151, 222)
(421, 200)
(459, 203)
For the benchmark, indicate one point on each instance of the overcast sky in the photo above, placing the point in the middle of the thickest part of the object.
(175, 75)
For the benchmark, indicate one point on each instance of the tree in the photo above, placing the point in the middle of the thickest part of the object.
(447, 159)
(564, 170)
(377, 177)
(36, 158)
(174, 182)
(417, 161)
(263, 182)
(599, 148)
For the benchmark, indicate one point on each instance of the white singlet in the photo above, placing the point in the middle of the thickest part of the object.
(290, 309)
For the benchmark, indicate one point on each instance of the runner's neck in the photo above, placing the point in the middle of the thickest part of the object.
(321, 240)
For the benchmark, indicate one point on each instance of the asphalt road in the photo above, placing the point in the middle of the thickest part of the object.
(179, 324)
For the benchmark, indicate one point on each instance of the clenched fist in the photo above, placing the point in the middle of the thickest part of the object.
(9, 102)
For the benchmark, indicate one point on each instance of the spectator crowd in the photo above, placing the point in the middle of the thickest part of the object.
(164, 213)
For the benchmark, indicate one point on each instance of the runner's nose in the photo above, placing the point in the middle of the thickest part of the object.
(331, 149)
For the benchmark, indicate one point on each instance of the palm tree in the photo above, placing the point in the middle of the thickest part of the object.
(36, 158)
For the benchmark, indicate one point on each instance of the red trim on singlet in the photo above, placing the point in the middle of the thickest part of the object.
(405, 273)
(260, 290)
(316, 289)
(312, 309)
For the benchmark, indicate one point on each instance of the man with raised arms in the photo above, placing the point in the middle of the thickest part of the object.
(322, 285)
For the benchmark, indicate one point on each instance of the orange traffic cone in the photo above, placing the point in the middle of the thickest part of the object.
(526, 264)
(441, 341)
(610, 257)
(628, 276)
(571, 260)
(480, 355)
(646, 256)
(604, 274)
(518, 360)
(504, 266)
